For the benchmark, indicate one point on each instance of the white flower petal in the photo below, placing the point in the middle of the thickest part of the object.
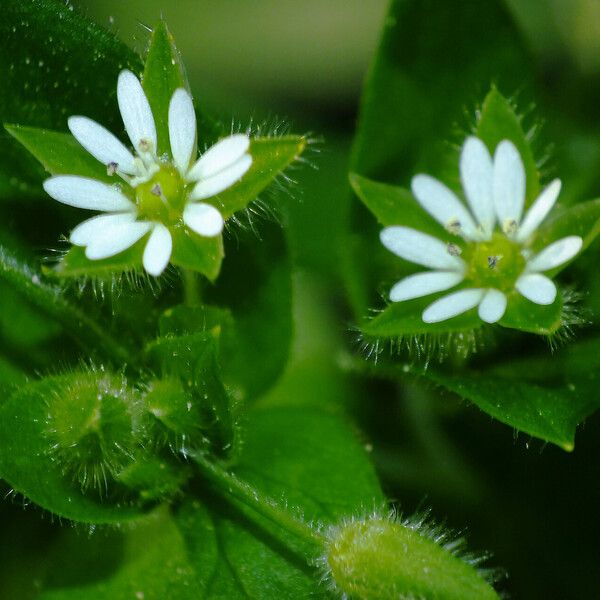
(538, 211)
(443, 205)
(206, 188)
(220, 156)
(423, 284)
(508, 184)
(157, 252)
(204, 219)
(113, 240)
(83, 192)
(452, 305)
(101, 144)
(420, 248)
(493, 306)
(182, 129)
(135, 111)
(86, 231)
(555, 254)
(537, 288)
(477, 174)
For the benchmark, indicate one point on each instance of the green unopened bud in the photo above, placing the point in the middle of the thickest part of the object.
(384, 559)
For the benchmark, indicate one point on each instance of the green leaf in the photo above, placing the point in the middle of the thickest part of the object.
(270, 156)
(163, 74)
(411, 97)
(393, 205)
(498, 121)
(309, 457)
(262, 311)
(60, 153)
(147, 560)
(54, 63)
(548, 414)
(28, 465)
(50, 300)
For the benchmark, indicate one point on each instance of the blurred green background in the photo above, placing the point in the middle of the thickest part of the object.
(533, 506)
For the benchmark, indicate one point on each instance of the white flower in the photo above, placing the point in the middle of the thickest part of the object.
(158, 192)
(492, 258)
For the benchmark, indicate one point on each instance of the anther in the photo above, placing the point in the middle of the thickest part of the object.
(453, 226)
(111, 168)
(510, 226)
(145, 145)
(493, 261)
(453, 249)
(156, 190)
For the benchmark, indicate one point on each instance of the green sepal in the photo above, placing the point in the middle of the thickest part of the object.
(60, 153)
(270, 156)
(164, 73)
(582, 219)
(76, 264)
(394, 205)
(406, 318)
(524, 315)
(197, 253)
(498, 121)
(193, 360)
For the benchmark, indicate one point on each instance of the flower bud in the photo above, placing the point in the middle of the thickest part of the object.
(383, 559)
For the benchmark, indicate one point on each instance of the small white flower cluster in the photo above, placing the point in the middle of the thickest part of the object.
(162, 191)
(494, 259)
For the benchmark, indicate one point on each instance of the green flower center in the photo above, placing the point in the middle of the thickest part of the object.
(494, 264)
(162, 197)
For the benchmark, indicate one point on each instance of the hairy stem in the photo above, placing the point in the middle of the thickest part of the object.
(192, 295)
(234, 491)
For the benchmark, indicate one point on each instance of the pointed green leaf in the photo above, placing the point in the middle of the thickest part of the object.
(270, 156)
(163, 74)
(498, 121)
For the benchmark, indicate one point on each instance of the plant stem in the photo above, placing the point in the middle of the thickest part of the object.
(191, 288)
(232, 488)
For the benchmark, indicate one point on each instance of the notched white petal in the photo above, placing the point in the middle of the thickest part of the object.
(508, 184)
(420, 248)
(492, 306)
(101, 144)
(211, 186)
(452, 305)
(182, 129)
(136, 112)
(114, 240)
(556, 254)
(86, 231)
(157, 252)
(423, 284)
(83, 192)
(220, 156)
(204, 219)
(443, 205)
(477, 174)
(539, 211)
(537, 288)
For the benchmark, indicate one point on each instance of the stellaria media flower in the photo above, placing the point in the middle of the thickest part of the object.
(156, 193)
(491, 257)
